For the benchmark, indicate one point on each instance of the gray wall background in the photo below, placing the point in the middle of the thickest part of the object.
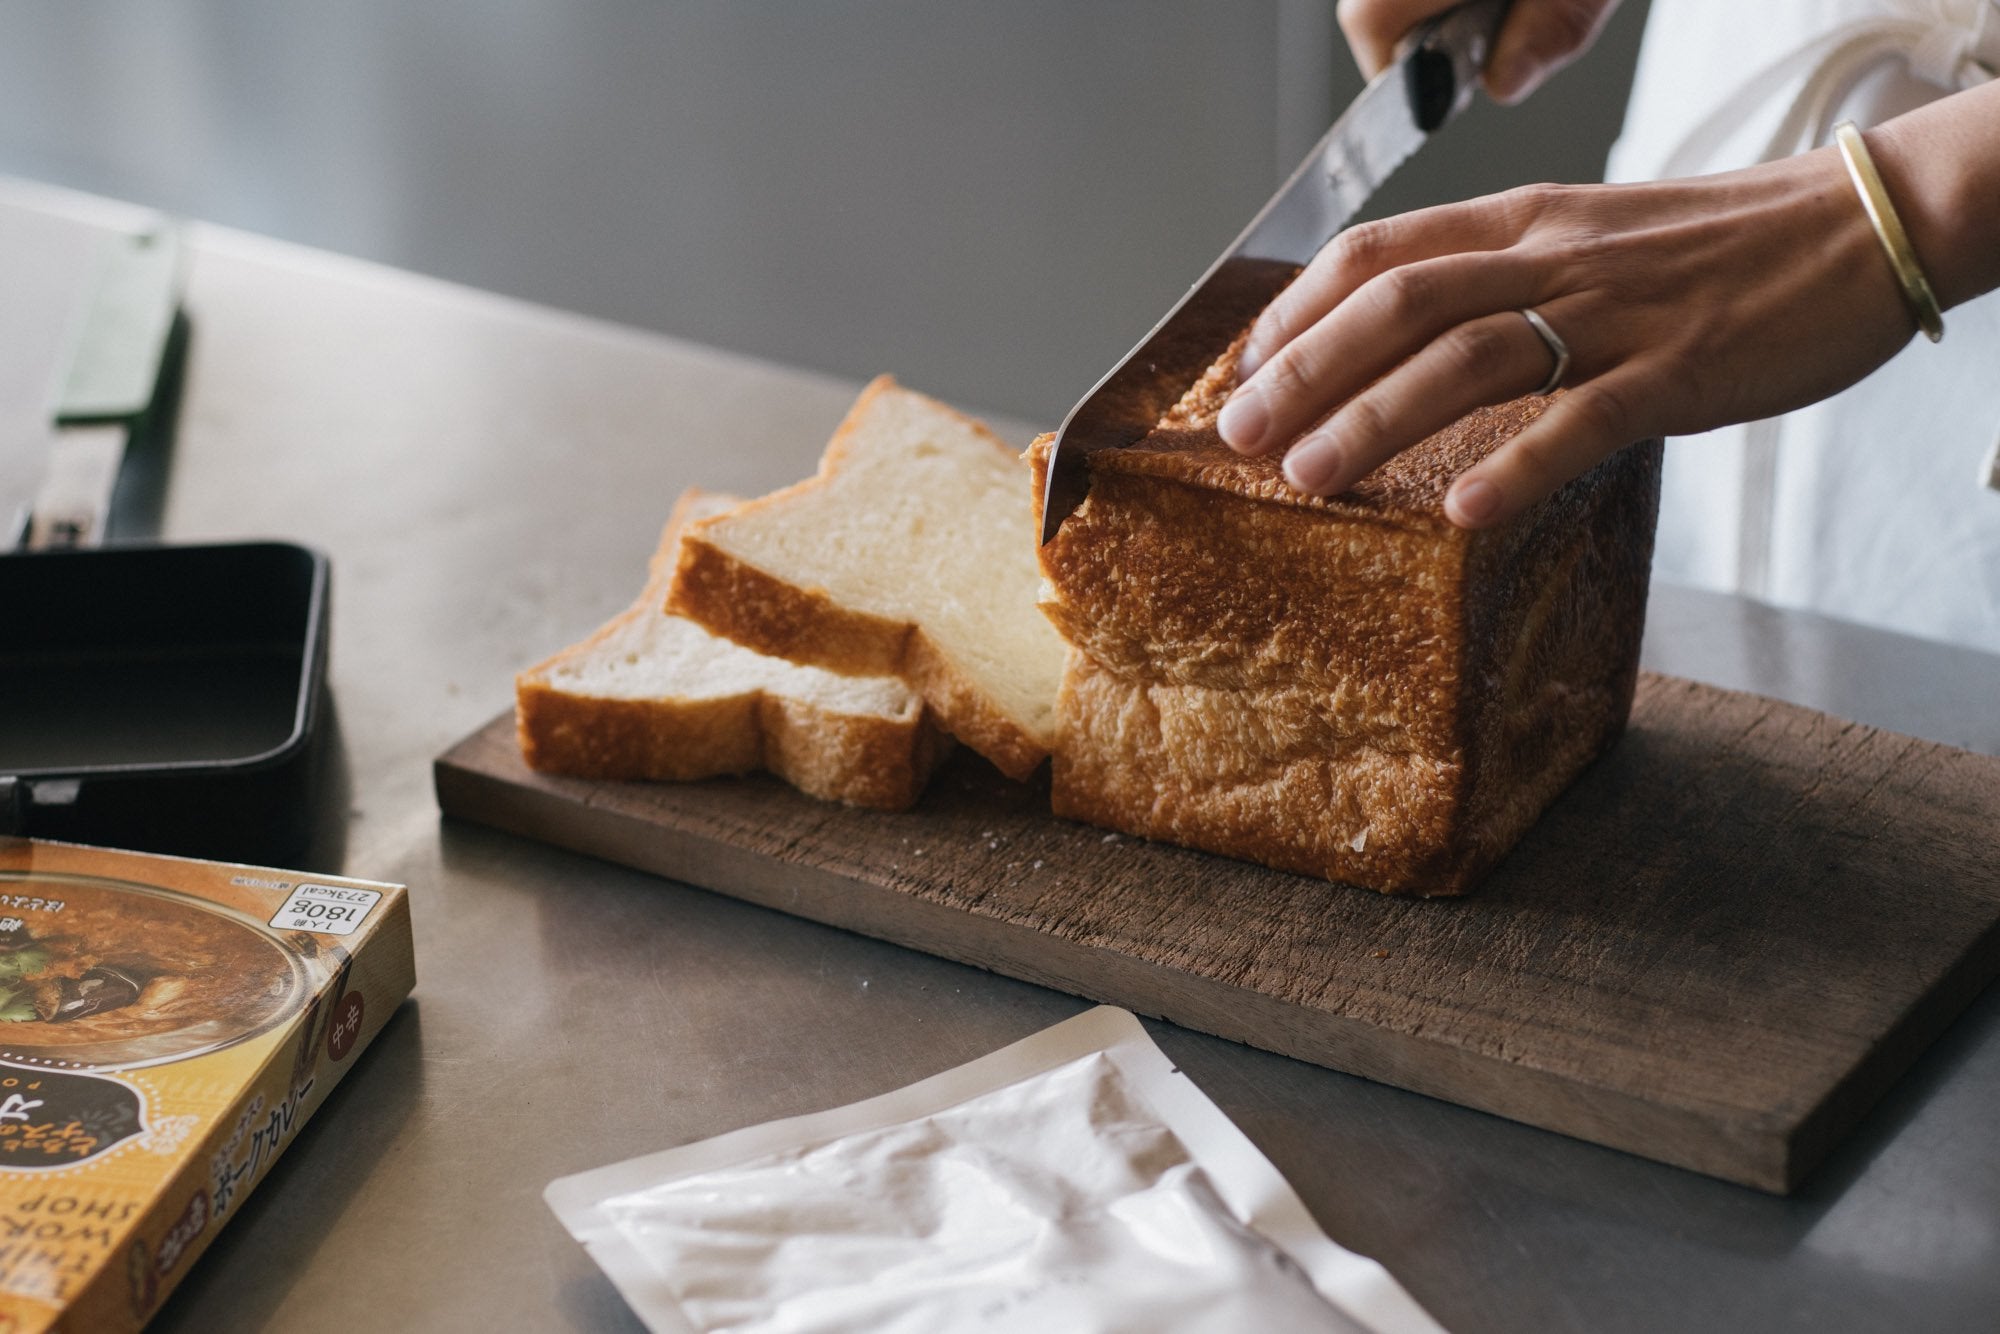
(991, 201)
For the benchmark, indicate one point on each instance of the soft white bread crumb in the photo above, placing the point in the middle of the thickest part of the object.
(912, 553)
(654, 696)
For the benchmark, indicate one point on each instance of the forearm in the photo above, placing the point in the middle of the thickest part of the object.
(1941, 165)
(1688, 304)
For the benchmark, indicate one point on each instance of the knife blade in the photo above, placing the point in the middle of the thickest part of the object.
(1428, 83)
(55, 489)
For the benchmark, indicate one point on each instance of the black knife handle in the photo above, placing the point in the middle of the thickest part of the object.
(1442, 58)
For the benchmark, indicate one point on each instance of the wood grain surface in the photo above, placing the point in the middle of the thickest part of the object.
(1717, 950)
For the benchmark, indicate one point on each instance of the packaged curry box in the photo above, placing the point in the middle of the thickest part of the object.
(166, 1026)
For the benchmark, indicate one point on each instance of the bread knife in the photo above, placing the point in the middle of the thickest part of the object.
(1429, 81)
(55, 489)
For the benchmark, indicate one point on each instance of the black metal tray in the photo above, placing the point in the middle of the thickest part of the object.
(164, 698)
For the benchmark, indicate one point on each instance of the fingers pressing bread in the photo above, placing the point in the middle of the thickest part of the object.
(1672, 308)
(1580, 430)
(1370, 249)
(1482, 361)
(1406, 311)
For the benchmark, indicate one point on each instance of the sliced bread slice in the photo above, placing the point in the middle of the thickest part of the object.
(655, 696)
(910, 553)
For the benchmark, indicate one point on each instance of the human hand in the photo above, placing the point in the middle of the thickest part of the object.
(1538, 38)
(1687, 305)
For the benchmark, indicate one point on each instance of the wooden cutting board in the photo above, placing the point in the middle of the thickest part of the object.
(1717, 950)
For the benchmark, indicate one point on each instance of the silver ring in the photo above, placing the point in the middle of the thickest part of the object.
(1556, 346)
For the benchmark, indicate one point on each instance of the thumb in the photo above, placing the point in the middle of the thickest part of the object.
(1539, 38)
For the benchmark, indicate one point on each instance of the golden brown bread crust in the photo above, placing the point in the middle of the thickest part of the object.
(1557, 634)
(740, 602)
(967, 713)
(1272, 776)
(1407, 491)
(861, 759)
(856, 758)
(563, 733)
(732, 598)
(1165, 578)
(1348, 687)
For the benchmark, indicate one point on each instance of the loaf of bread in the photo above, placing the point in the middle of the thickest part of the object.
(1348, 687)
(654, 696)
(912, 554)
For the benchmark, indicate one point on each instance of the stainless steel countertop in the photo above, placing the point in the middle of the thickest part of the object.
(488, 478)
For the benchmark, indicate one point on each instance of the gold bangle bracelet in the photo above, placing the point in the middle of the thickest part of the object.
(1889, 230)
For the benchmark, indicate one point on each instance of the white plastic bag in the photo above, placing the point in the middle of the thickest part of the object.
(1074, 1181)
